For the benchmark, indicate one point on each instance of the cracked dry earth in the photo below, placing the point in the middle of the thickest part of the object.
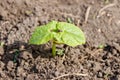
(99, 20)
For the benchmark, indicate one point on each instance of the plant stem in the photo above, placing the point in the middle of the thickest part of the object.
(53, 49)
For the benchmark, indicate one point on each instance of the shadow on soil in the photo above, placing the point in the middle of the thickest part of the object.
(13, 51)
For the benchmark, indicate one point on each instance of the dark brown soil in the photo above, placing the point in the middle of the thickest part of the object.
(21, 61)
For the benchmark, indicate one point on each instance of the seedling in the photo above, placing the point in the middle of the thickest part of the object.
(58, 33)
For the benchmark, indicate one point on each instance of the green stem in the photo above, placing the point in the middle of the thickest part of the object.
(53, 49)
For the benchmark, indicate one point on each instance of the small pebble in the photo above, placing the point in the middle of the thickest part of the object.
(1, 50)
(2, 65)
(26, 55)
(21, 72)
(100, 74)
(10, 65)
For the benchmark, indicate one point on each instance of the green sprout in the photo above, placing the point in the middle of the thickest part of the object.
(101, 46)
(59, 51)
(58, 33)
(69, 20)
(16, 53)
(2, 44)
(106, 1)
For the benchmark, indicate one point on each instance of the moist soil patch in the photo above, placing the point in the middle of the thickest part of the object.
(99, 20)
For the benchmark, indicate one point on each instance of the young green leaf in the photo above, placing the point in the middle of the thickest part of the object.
(59, 33)
(70, 35)
(62, 32)
(43, 34)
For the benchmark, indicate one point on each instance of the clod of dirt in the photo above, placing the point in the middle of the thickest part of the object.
(3, 15)
(100, 74)
(117, 46)
(108, 71)
(2, 65)
(26, 65)
(10, 65)
(1, 50)
(97, 66)
(2, 74)
(26, 55)
(21, 72)
(32, 76)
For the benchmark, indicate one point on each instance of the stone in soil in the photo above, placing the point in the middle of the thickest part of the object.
(2, 65)
(10, 65)
(21, 72)
(1, 50)
(26, 55)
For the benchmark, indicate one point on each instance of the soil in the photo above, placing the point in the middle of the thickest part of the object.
(99, 20)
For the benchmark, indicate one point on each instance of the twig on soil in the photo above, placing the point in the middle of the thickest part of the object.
(110, 20)
(105, 7)
(96, 52)
(5, 23)
(87, 14)
(76, 74)
(78, 22)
